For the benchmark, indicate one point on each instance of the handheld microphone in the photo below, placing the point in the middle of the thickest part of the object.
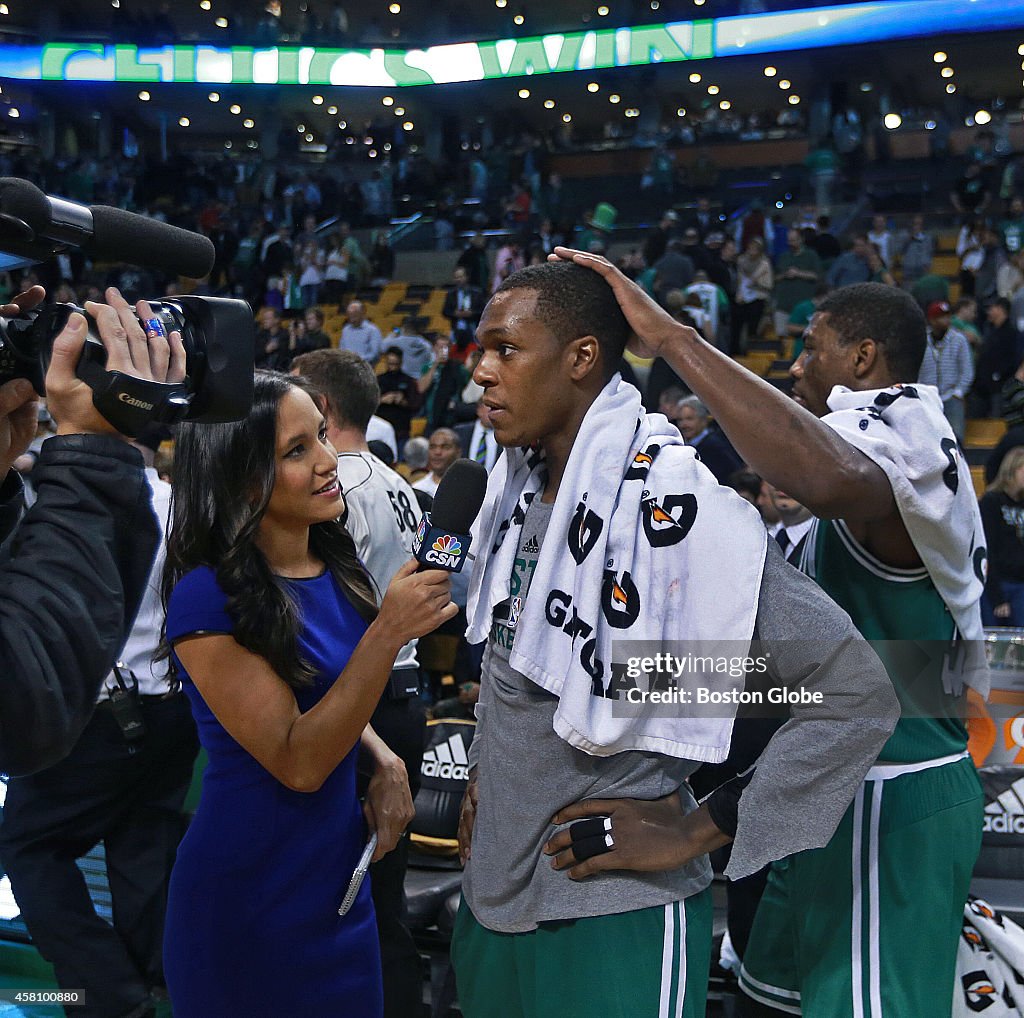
(37, 225)
(442, 539)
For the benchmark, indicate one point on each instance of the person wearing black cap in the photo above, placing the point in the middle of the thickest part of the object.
(948, 365)
(123, 784)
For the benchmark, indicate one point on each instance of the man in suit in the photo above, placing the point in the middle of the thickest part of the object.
(477, 439)
(713, 449)
(462, 307)
(796, 521)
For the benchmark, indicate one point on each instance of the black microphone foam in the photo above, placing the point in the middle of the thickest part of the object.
(24, 201)
(459, 496)
(125, 237)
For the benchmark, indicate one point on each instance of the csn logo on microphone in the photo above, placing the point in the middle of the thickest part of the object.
(440, 548)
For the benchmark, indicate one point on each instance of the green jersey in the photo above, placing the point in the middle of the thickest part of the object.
(900, 610)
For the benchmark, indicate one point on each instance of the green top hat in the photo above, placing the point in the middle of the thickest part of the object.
(604, 217)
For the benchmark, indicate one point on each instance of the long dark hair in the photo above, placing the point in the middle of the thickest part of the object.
(223, 478)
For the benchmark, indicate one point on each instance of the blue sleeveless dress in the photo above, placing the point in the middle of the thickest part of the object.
(252, 918)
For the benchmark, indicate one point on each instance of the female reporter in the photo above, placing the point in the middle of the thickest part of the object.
(283, 654)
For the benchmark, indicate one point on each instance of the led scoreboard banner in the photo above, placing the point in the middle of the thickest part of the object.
(847, 25)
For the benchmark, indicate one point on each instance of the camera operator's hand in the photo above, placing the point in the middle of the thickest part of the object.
(148, 355)
(18, 411)
(18, 404)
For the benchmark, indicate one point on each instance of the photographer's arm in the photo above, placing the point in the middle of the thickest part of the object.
(80, 560)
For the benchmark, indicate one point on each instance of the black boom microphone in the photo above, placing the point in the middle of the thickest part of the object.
(37, 226)
(442, 539)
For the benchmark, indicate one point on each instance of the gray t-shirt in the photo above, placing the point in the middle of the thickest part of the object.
(526, 772)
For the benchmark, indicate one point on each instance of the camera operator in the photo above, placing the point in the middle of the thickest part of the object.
(76, 569)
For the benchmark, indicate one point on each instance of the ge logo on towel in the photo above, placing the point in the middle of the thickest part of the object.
(667, 522)
(620, 600)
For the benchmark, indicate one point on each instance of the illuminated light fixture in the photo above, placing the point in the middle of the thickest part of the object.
(655, 5)
(770, 72)
(725, 105)
(308, 137)
(221, 22)
(566, 118)
(145, 96)
(939, 57)
(947, 72)
(866, 86)
(634, 112)
(680, 112)
(698, 3)
(694, 78)
(1020, 50)
(248, 123)
(343, 124)
(983, 117)
(602, 11)
(234, 108)
(593, 86)
(3, 9)
(950, 88)
(350, 140)
(388, 101)
(399, 111)
(930, 125)
(14, 112)
(205, 4)
(333, 110)
(615, 98)
(794, 100)
(713, 90)
(115, 3)
(779, 205)
(372, 153)
(227, 144)
(500, 3)
(318, 100)
(408, 125)
(367, 140)
(184, 121)
(214, 97)
(785, 84)
(524, 93)
(549, 104)
(387, 146)
(395, 9)
(519, 19)
(301, 128)
(892, 121)
(252, 143)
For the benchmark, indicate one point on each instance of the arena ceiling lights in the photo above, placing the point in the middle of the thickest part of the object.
(852, 24)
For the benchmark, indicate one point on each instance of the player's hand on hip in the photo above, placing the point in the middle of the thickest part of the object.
(467, 817)
(629, 834)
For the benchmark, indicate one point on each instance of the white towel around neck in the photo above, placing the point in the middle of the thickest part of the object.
(648, 547)
(904, 431)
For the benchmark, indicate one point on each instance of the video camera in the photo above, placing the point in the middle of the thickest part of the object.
(218, 333)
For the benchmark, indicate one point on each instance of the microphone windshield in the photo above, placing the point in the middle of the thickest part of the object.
(459, 496)
(24, 201)
(125, 237)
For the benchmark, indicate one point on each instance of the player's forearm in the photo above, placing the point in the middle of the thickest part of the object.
(780, 440)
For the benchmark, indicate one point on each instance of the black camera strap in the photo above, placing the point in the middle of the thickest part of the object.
(131, 403)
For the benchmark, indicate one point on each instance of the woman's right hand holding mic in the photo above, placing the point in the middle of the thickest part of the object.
(416, 602)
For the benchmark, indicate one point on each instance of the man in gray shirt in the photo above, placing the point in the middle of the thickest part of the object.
(359, 335)
(551, 340)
